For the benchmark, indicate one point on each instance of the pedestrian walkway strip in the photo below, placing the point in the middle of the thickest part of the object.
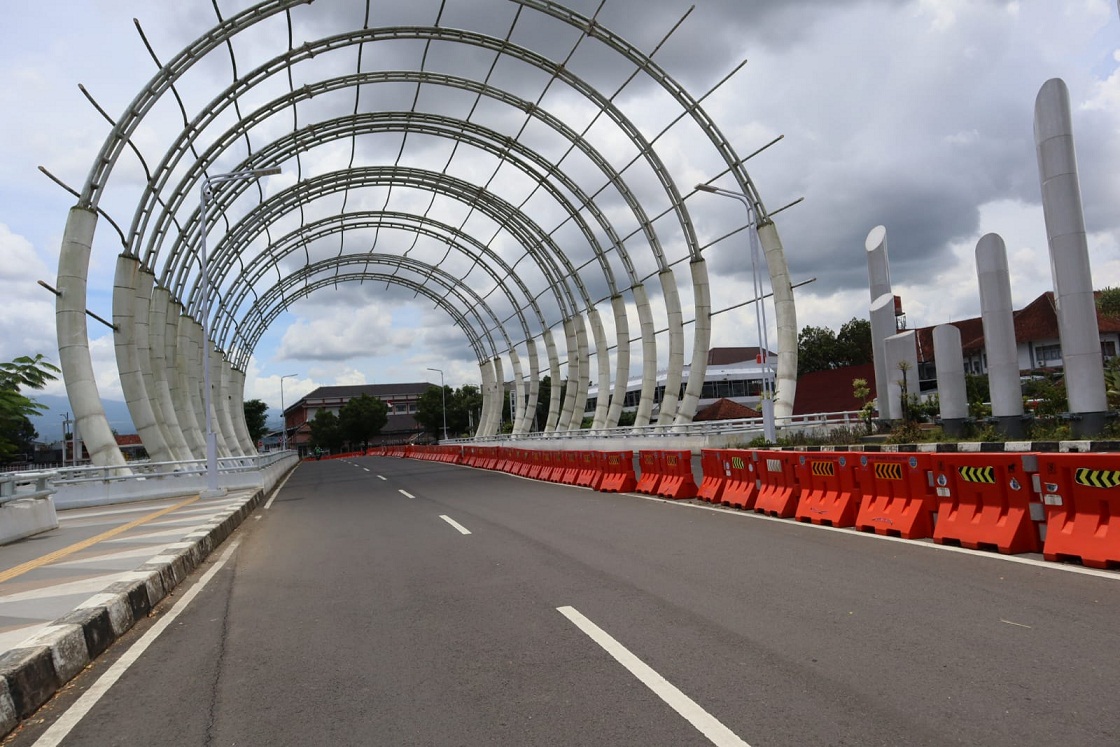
(49, 558)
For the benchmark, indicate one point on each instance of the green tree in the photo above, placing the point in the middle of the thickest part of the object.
(361, 419)
(255, 410)
(464, 408)
(853, 343)
(429, 409)
(325, 432)
(22, 373)
(1108, 302)
(816, 350)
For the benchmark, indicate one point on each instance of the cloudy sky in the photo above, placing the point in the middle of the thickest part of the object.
(914, 114)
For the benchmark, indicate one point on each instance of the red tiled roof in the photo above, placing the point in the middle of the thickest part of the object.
(831, 390)
(726, 409)
(131, 439)
(728, 356)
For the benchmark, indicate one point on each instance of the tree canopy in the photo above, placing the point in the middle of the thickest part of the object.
(255, 410)
(820, 349)
(16, 431)
(464, 407)
(361, 419)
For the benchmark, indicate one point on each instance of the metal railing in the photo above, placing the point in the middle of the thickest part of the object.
(744, 426)
(20, 485)
(156, 470)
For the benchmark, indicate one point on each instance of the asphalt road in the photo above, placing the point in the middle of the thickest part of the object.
(350, 612)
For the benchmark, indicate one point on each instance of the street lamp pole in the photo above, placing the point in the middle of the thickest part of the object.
(767, 401)
(284, 414)
(443, 393)
(204, 309)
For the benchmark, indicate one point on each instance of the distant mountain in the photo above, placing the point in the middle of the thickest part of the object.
(49, 424)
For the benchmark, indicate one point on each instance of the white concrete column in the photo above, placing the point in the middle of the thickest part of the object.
(952, 393)
(238, 413)
(142, 312)
(997, 316)
(1082, 362)
(583, 383)
(785, 318)
(518, 410)
(163, 371)
(621, 360)
(128, 359)
(534, 388)
(224, 401)
(675, 373)
(554, 374)
(73, 340)
(649, 356)
(603, 362)
(179, 365)
(701, 342)
(883, 327)
(902, 349)
(567, 408)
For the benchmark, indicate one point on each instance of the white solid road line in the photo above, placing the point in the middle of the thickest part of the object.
(706, 723)
(462, 529)
(276, 492)
(68, 720)
(406, 494)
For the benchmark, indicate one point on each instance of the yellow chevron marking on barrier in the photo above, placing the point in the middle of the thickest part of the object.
(614, 460)
(888, 471)
(737, 462)
(824, 469)
(671, 461)
(978, 474)
(1097, 478)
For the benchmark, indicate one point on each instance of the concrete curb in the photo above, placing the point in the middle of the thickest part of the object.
(31, 675)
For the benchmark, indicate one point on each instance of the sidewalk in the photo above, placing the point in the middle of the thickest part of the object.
(67, 594)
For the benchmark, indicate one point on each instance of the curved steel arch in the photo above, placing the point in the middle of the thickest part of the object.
(460, 131)
(306, 290)
(292, 242)
(183, 144)
(463, 293)
(81, 228)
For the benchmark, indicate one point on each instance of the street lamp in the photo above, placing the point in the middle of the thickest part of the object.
(204, 309)
(284, 414)
(443, 393)
(767, 400)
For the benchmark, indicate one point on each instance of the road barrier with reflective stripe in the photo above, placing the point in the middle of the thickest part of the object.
(830, 493)
(898, 497)
(1081, 493)
(985, 501)
(778, 489)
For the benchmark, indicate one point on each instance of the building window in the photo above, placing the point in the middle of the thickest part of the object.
(1048, 354)
(1108, 348)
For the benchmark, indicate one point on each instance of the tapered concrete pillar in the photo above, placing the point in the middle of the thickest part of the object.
(649, 356)
(901, 352)
(674, 375)
(534, 387)
(73, 340)
(517, 412)
(567, 407)
(603, 365)
(785, 319)
(882, 327)
(621, 360)
(951, 389)
(997, 314)
(583, 383)
(554, 391)
(879, 281)
(1082, 361)
(701, 342)
(163, 371)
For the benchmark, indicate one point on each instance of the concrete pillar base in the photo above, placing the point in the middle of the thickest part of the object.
(1086, 424)
(954, 427)
(1013, 427)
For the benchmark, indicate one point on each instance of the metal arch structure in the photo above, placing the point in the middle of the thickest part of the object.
(158, 310)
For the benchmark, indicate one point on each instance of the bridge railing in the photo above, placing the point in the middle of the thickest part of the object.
(725, 428)
(20, 485)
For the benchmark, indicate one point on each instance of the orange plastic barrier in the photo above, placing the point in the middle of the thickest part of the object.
(556, 467)
(588, 469)
(649, 462)
(571, 467)
(741, 487)
(829, 489)
(537, 465)
(778, 489)
(677, 480)
(1082, 497)
(715, 476)
(617, 468)
(898, 497)
(984, 501)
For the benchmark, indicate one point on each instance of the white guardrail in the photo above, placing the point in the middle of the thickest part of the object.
(724, 430)
(75, 487)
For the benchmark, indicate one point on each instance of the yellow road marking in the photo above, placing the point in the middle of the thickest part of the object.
(39, 562)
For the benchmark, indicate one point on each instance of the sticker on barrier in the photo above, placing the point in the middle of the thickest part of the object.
(676, 480)
(618, 472)
(649, 463)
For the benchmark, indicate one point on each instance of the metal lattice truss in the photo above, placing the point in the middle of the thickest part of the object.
(513, 268)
